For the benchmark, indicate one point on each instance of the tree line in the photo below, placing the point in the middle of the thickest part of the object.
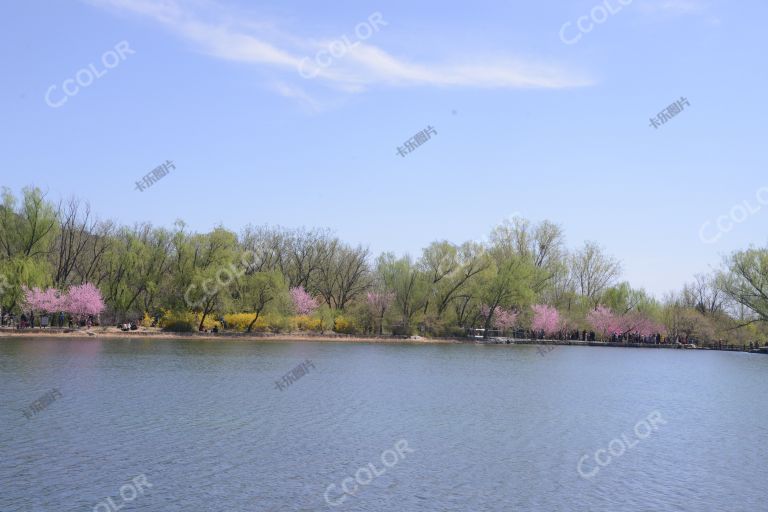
(278, 278)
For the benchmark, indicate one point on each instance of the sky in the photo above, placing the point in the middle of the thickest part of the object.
(540, 109)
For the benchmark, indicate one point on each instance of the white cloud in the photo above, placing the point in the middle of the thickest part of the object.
(230, 36)
(297, 93)
(681, 6)
(673, 7)
(667, 9)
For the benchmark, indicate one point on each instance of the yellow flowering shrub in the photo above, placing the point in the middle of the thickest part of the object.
(177, 321)
(267, 322)
(343, 325)
(239, 321)
(308, 323)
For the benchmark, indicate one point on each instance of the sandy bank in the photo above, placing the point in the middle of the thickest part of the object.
(114, 332)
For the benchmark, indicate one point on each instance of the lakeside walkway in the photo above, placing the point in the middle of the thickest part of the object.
(528, 341)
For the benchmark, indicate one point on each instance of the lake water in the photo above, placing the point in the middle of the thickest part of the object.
(400, 427)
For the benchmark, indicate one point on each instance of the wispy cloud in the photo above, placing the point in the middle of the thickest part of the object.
(678, 8)
(674, 7)
(295, 92)
(226, 35)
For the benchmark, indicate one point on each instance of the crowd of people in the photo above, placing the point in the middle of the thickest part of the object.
(632, 338)
(26, 321)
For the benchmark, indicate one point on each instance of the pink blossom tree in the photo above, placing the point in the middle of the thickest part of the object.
(638, 323)
(303, 303)
(83, 300)
(604, 322)
(32, 298)
(378, 303)
(546, 319)
(45, 301)
(52, 301)
(503, 319)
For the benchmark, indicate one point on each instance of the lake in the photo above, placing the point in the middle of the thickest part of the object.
(176, 425)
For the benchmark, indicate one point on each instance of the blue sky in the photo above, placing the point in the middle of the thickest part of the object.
(525, 123)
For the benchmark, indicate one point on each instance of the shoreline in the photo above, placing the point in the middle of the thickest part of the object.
(111, 332)
(145, 333)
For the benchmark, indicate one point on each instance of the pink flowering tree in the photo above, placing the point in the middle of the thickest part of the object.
(546, 319)
(638, 323)
(43, 301)
(52, 301)
(83, 300)
(502, 319)
(32, 299)
(378, 303)
(603, 321)
(303, 303)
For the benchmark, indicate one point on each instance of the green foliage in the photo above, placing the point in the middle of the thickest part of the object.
(259, 293)
(245, 278)
(746, 280)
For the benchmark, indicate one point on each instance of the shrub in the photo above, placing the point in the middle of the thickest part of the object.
(174, 317)
(277, 323)
(240, 321)
(178, 326)
(308, 323)
(343, 325)
(267, 322)
(401, 330)
(147, 320)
